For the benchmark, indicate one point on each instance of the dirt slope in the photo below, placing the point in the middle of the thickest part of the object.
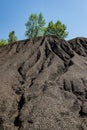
(43, 84)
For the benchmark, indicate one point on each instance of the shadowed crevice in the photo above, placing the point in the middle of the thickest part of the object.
(17, 121)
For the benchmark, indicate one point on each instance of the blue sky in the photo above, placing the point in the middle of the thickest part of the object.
(14, 14)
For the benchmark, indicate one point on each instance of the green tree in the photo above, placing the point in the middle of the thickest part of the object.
(12, 37)
(57, 29)
(3, 42)
(35, 26)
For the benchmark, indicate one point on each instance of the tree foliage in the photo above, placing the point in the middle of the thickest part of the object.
(57, 29)
(35, 26)
(3, 42)
(12, 37)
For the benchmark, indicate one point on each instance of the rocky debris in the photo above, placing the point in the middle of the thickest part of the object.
(83, 111)
(43, 84)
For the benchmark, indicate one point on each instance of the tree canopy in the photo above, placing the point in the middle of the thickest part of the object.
(12, 37)
(57, 29)
(35, 26)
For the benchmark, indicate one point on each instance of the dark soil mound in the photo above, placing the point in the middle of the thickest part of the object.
(43, 84)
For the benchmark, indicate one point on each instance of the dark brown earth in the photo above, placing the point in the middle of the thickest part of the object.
(43, 84)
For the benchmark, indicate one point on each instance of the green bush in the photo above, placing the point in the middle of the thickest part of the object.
(3, 42)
